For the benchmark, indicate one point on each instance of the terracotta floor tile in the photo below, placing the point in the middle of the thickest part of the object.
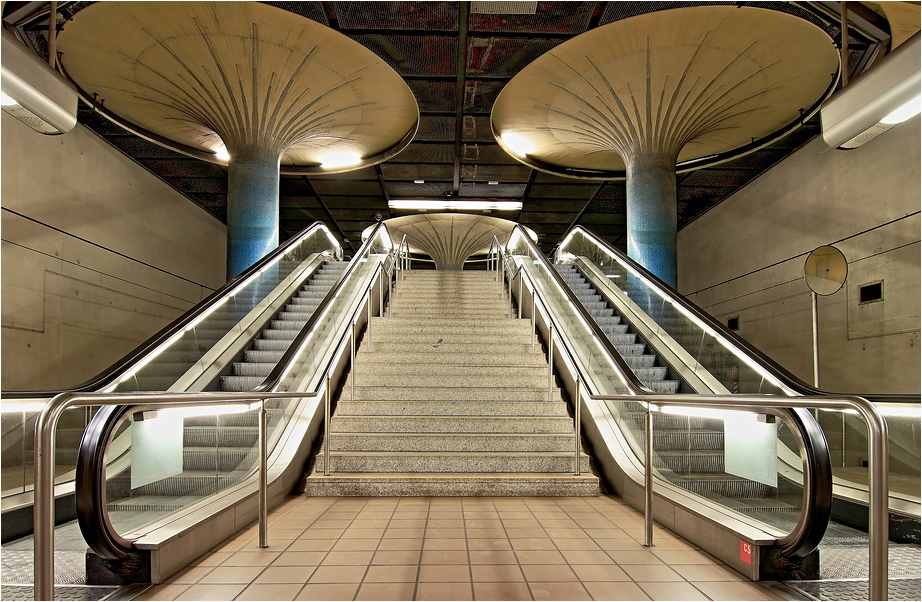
(274, 591)
(587, 557)
(445, 573)
(493, 557)
(410, 523)
(211, 592)
(497, 572)
(485, 533)
(641, 556)
(583, 543)
(338, 574)
(286, 574)
(444, 557)
(548, 572)
(683, 556)
(708, 572)
(488, 544)
(444, 591)
(213, 559)
(444, 544)
(671, 590)
(533, 543)
(396, 557)
(163, 592)
(354, 557)
(559, 591)
(615, 591)
(354, 533)
(599, 572)
(457, 533)
(328, 591)
(369, 523)
(321, 534)
(643, 572)
(404, 533)
(232, 574)
(392, 573)
(501, 591)
(311, 545)
(733, 590)
(299, 558)
(539, 557)
(444, 523)
(348, 545)
(401, 544)
(526, 533)
(190, 575)
(386, 591)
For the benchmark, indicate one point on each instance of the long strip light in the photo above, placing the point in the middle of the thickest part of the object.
(426, 205)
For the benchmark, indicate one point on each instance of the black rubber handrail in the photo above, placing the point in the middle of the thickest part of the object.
(818, 465)
(777, 370)
(90, 486)
(111, 373)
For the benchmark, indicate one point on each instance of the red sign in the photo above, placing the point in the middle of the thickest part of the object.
(745, 552)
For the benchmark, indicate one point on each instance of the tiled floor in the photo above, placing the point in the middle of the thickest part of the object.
(457, 549)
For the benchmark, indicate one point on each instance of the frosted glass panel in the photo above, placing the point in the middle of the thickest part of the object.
(156, 448)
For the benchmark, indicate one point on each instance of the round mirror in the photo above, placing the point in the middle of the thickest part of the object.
(825, 270)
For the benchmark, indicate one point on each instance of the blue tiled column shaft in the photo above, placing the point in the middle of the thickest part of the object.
(252, 208)
(651, 214)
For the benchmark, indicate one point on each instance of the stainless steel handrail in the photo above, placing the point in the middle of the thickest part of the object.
(45, 427)
(549, 318)
(878, 458)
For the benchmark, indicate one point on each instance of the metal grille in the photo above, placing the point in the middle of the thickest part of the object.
(61, 592)
(503, 57)
(480, 95)
(423, 16)
(503, 8)
(433, 97)
(550, 17)
(409, 171)
(856, 589)
(436, 129)
(433, 56)
(311, 10)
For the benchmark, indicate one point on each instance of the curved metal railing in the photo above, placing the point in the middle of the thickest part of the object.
(817, 490)
(91, 465)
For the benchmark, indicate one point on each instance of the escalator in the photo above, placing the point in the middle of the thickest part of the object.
(231, 341)
(696, 354)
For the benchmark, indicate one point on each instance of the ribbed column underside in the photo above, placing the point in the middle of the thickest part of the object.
(640, 95)
(449, 238)
(271, 87)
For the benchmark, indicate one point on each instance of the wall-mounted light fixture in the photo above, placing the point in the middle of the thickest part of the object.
(33, 92)
(876, 100)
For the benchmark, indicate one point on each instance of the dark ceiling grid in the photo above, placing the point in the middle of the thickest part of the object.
(455, 82)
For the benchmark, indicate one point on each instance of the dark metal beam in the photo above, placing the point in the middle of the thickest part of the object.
(461, 60)
(310, 189)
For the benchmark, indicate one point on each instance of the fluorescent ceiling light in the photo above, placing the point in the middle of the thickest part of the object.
(903, 113)
(340, 159)
(419, 181)
(472, 205)
(518, 143)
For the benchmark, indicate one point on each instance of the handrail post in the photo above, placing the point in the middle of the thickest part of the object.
(550, 362)
(519, 303)
(648, 478)
(534, 322)
(263, 478)
(326, 428)
(381, 292)
(352, 365)
(576, 426)
(368, 327)
(43, 510)
(878, 501)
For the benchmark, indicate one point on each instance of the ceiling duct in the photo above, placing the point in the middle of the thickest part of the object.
(33, 92)
(876, 100)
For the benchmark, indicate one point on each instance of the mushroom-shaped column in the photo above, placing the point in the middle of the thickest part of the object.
(449, 238)
(243, 82)
(634, 98)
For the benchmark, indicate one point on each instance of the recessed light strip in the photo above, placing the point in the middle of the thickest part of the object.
(425, 205)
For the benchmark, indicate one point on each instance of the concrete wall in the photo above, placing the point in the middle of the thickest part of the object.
(745, 257)
(97, 255)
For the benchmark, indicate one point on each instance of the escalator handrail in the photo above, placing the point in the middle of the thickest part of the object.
(108, 375)
(633, 384)
(274, 378)
(91, 456)
(782, 374)
(817, 497)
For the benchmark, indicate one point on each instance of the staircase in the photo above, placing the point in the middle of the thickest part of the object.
(450, 401)
(689, 451)
(219, 451)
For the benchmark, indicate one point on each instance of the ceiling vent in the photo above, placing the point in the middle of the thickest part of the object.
(33, 92)
(876, 100)
(503, 8)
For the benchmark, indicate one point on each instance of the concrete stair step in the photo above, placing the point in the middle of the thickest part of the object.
(434, 339)
(460, 356)
(436, 393)
(449, 348)
(454, 462)
(440, 371)
(489, 407)
(491, 381)
(460, 442)
(446, 484)
(451, 424)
